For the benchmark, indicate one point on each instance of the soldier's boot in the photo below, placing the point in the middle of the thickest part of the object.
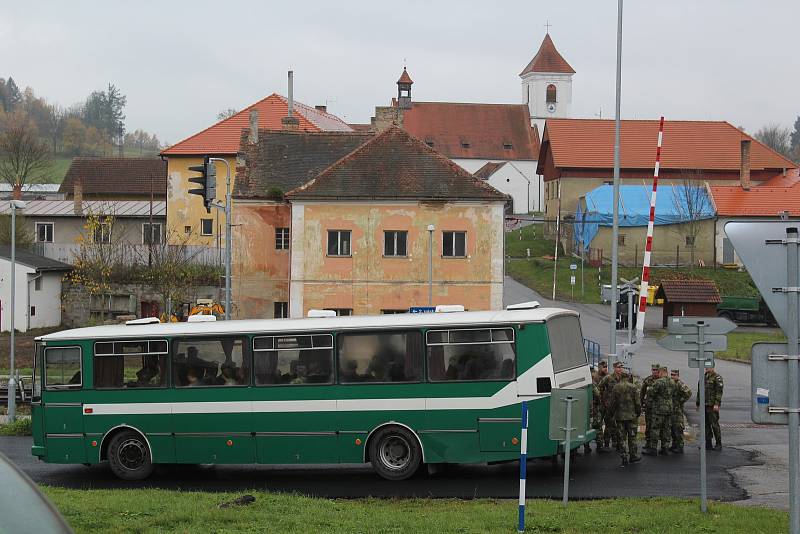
(677, 449)
(719, 446)
(587, 449)
(624, 462)
(649, 451)
(663, 451)
(674, 448)
(708, 445)
(635, 459)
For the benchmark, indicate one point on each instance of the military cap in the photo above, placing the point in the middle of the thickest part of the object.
(655, 367)
(676, 371)
(664, 368)
(617, 364)
(603, 363)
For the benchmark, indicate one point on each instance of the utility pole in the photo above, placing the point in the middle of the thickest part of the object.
(615, 233)
(431, 228)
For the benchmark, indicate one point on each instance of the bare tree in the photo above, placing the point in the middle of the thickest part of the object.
(691, 202)
(776, 137)
(23, 157)
(226, 114)
(56, 119)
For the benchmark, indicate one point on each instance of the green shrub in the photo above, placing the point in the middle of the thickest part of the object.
(20, 427)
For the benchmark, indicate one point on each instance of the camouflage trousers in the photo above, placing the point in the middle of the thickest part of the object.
(597, 423)
(712, 425)
(627, 443)
(648, 427)
(677, 429)
(610, 435)
(662, 430)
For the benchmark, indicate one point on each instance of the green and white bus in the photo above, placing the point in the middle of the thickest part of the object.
(393, 390)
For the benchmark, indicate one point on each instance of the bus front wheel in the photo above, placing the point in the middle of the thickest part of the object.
(129, 456)
(395, 453)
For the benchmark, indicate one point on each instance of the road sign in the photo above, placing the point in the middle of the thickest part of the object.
(572, 280)
(573, 267)
(558, 413)
(713, 342)
(696, 362)
(768, 383)
(766, 263)
(688, 325)
(422, 309)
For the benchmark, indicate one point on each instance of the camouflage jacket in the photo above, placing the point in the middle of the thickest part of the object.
(713, 390)
(646, 383)
(680, 395)
(660, 396)
(624, 402)
(606, 385)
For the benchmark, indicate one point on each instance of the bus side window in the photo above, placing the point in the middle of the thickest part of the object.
(209, 361)
(293, 359)
(471, 354)
(62, 367)
(394, 356)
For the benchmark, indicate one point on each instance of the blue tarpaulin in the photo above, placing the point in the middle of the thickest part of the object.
(674, 204)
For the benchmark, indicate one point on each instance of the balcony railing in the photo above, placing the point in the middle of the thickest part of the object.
(134, 254)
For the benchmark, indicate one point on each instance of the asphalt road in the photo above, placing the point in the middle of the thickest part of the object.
(591, 477)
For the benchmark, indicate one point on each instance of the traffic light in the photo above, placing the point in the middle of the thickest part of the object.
(207, 182)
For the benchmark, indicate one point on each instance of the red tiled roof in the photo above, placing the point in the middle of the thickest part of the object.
(487, 170)
(684, 290)
(223, 137)
(122, 176)
(478, 131)
(405, 78)
(547, 59)
(360, 127)
(394, 165)
(761, 201)
(702, 145)
(789, 179)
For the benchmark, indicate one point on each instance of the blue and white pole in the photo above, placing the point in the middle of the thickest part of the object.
(523, 462)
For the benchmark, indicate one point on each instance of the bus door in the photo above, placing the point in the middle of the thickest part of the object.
(211, 407)
(570, 366)
(61, 404)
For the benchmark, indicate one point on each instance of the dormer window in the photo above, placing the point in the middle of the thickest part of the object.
(464, 144)
(507, 146)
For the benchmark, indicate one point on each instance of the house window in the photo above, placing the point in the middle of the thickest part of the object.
(206, 226)
(151, 234)
(187, 229)
(102, 234)
(338, 242)
(341, 312)
(37, 283)
(394, 243)
(393, 312)
(454, 244)
(464, 144)
(621, 240)
(507, 146)
(33, 311)
(551, 93)
(281, 310)
(44, 232)
(281, 239)
(690, 240)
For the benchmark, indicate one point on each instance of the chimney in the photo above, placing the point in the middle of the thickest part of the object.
(323, 109)
(253, 138)
(744, 170)
(290, 122)
(77, 198)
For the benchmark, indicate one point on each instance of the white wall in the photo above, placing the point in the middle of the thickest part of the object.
(509, 179)
(534, 93)
(47, 300)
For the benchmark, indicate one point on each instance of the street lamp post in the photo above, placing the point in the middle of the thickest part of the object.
(12, 379)
(431, 228)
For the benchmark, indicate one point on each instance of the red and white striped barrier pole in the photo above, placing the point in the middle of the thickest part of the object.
(649, 243)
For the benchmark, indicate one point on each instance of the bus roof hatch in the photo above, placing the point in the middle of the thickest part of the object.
(530, 305)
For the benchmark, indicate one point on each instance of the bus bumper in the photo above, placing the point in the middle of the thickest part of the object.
(37, 450)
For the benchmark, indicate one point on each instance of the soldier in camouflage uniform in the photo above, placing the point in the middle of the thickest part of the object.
(624, 403)
(646, 383)
(595, 414)
(606, 386)
(680, 395)
(660, 399)
(713, 401)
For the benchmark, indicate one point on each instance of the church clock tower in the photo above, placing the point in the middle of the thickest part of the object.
(547, 85)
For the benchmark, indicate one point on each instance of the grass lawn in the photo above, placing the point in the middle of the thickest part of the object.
(537, 272)
(58, 170)
(740, 343)
(155, 510)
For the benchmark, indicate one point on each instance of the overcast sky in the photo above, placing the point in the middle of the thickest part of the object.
(181, 62)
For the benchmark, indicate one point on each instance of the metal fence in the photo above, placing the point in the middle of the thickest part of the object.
(24, 389)
(592, 352)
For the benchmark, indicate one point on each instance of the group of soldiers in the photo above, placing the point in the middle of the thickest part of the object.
(617, 403)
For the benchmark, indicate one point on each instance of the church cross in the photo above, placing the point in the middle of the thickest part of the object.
(547, 26)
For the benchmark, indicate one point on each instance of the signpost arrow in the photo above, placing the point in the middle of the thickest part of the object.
(688, 325)
(689, 342)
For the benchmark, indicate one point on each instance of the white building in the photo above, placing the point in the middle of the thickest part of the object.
(547, 85)
(38, 290)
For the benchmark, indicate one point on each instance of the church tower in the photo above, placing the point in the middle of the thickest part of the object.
(547, 85)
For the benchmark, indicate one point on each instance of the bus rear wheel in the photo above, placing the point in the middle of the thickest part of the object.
(129, 456)
(395, 453)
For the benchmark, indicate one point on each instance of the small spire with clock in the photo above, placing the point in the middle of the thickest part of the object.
(547, 83)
